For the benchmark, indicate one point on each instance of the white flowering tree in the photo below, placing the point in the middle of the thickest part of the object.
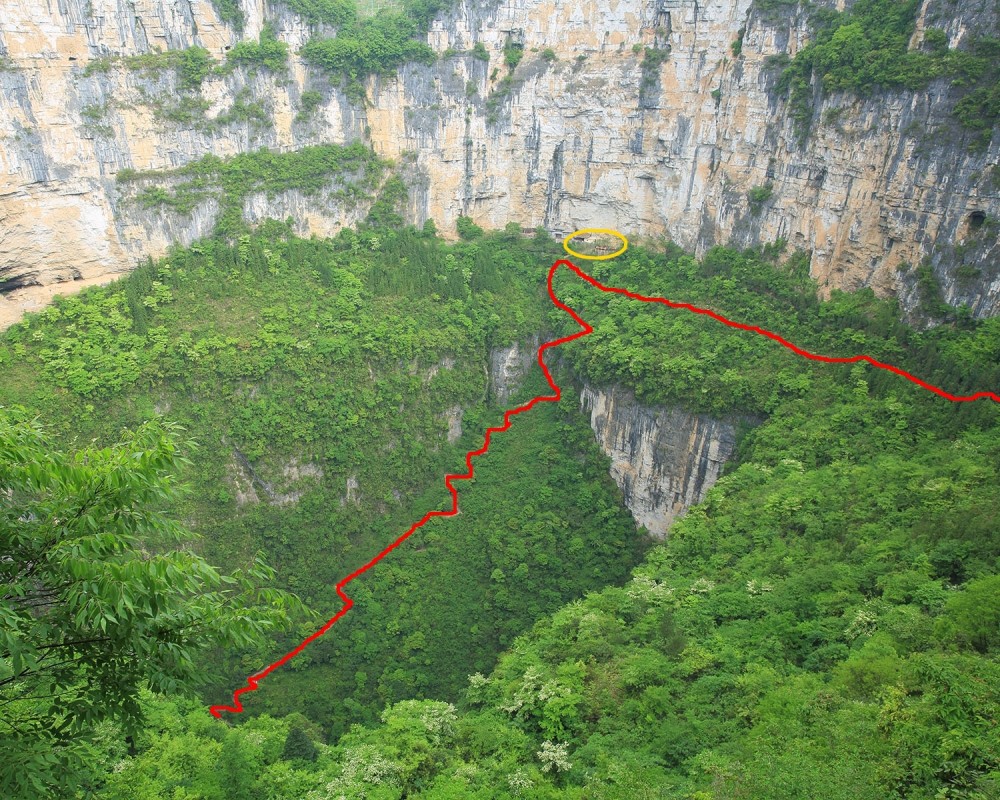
(554, 757)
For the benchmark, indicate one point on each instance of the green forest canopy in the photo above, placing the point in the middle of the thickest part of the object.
(824, 625)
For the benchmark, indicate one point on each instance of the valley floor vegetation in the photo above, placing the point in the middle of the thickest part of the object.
(825, 625)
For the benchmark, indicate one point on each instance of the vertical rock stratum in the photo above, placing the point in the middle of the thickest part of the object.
(585, 131)
(663, 459)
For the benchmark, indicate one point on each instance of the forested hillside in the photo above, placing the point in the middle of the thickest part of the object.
(825, 625)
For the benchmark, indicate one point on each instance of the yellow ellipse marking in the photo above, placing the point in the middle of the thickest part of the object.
(616, 234)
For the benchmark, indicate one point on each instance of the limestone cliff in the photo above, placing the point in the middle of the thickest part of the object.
(663, 459)
(580, 136)
(508, 368)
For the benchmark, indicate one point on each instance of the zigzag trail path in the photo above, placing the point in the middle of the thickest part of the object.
(254, 680)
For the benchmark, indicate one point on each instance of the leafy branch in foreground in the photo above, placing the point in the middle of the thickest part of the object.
(98, 602)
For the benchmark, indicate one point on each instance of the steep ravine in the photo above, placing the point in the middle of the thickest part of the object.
(581, 140)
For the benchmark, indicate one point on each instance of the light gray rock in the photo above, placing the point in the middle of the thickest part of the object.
(663, 459)
(509, 366)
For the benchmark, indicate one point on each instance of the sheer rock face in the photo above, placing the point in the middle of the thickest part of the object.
(509, 366)
(663, 459)
(589, 139)
(453, 418)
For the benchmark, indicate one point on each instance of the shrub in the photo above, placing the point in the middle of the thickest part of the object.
(254, 113)
(479, 51)
(512, 54)
(376, 46)
(967, 273)
(298, 746)
(467, 229)
(867, 48)
(737, 46)
(936, 40)
(340, 13)
(653, 58)
(186, 110)
(229, 11)
(195, 65)
(975, 615)
(760, 195)
(267, 52)
(98, 65)
(423, 11)
(310, 101)
(94, 113)
(650, 66)
(512, 231)
(384, 212)
(931, 298)
(309, 170)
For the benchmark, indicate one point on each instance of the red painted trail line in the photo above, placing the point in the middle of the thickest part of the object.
(253, 680)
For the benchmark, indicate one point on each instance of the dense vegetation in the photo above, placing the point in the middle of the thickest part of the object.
(824, 625)
(96, 604)
(678, 357)
(355, 170)
(375, 45)
(339, 393)
(866, 48)
(180, 102)
(191, 65)
(267, 52)
(339, 13)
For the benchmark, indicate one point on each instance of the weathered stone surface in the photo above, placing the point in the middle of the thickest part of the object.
(663, 459)
(509, 366)
(453, 417)
(578, 142)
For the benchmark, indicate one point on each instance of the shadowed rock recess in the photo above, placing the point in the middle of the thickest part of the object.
(587, 130)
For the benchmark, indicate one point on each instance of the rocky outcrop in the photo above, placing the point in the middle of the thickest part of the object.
(453, 418)
(663, 459)
(584, 136)
(293, 478)
(509, 366)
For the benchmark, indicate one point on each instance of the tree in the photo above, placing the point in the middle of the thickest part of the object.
(95, 603)
(468, 229)
(974, 615)
(554, 756)
(298, 746)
